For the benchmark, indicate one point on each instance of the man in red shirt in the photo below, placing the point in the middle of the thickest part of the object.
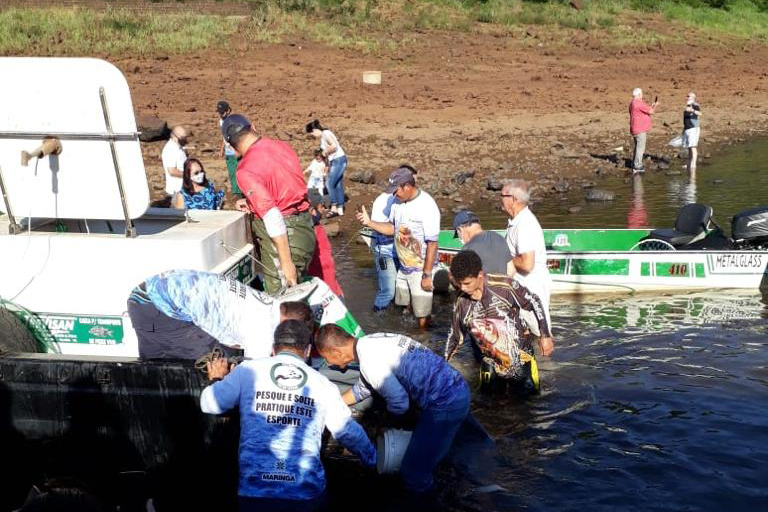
(270, 177)
(639, 125)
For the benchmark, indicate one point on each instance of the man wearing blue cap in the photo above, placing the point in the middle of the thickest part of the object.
(415, 224)
(271, 179)
(490, 246)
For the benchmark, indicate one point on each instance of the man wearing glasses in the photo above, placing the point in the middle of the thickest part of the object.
(525, 239)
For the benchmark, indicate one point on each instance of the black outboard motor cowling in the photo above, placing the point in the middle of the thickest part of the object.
(750, 225)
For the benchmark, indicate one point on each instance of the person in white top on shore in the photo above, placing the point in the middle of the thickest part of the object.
(317, 170)
(337, 162)
(525, 239)
(173, 157)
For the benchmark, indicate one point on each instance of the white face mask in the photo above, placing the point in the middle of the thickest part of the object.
(198, 178)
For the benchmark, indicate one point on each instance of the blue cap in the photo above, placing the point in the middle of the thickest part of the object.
(463, 218)
(234, 124)
(399, 176)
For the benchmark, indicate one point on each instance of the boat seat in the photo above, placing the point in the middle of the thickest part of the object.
(691, 226)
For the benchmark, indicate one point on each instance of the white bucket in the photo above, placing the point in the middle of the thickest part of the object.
(391, 447)
(372, 77)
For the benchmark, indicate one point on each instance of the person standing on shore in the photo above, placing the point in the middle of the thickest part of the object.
(691, 129)
(415, 225)
(639, 125)
(228, 152)
(270, 176)
(174, 155)
(337, 162)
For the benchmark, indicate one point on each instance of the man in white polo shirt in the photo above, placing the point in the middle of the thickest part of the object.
(525, 239)
(173, 157)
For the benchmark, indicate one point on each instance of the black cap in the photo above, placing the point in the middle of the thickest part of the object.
(234, 124)
(222, 107)
(292, 332)
(315, 198)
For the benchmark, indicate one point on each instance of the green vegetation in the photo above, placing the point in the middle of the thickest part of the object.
(365, 25)
(80, 31)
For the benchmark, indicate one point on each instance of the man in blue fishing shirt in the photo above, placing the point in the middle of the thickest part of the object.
(284, 407)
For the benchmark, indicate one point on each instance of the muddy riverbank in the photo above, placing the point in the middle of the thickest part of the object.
(530, 105)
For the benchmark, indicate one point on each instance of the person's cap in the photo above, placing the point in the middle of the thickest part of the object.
(463, 217)
(399, 176)
(314, 197)
(222, 107)
(234, 124)
(292, 332)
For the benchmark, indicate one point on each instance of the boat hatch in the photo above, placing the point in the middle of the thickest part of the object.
(69, 148)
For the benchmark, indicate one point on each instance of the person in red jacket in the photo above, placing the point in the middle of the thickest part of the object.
(322, 264)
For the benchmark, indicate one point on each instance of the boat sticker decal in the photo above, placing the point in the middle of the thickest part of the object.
(700, 270)
(90, 330)
(556, 266)
(736, 263)
(587, 267)
(673, 269)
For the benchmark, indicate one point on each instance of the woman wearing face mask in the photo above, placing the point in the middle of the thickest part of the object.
(197, 193)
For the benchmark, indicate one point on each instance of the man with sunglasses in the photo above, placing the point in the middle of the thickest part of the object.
(525, 239)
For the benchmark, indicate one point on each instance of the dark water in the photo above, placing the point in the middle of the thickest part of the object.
(651, 402)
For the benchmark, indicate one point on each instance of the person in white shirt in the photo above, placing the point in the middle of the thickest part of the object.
(337, 162)
(525, 239)
(415, 225)
(285, 406)
(173, 157)
(317, 170)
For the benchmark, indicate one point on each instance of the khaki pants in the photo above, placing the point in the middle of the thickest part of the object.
(637, 161)
(301, 240)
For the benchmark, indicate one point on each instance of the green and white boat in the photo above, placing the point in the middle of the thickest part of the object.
(695, 255)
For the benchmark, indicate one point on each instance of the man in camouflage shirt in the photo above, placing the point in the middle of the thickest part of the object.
(488, 311)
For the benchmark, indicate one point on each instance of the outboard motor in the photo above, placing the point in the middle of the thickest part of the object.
(749, 229)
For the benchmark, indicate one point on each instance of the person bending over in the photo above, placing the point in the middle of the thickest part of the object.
(404, 373)
(284, 407)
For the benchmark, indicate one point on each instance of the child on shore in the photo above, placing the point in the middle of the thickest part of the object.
(317, 170)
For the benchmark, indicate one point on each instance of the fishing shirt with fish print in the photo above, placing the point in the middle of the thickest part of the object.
(284, 407)
(402, 370)
(495, 326)
(230, 311)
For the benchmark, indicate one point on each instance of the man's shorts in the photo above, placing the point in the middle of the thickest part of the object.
(691, 137)
(408, 291)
